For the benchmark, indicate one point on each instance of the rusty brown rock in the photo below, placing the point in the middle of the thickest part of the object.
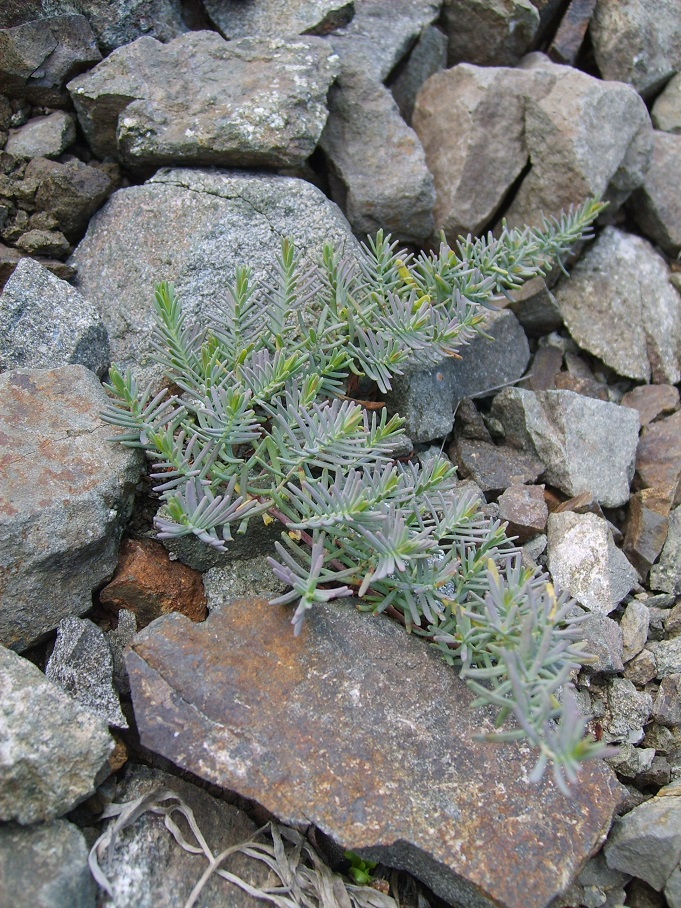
(647, 527)
(651, 401)
(368, 735)
(525, 510)
(494, 468)
(149, 584)
(588, 387)
(658, 455)
(571, 31)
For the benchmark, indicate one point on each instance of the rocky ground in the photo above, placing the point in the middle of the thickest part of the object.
(176, 139)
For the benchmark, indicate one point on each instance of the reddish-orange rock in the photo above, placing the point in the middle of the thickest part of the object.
(647, 527)
(149, 584)
(658, 456)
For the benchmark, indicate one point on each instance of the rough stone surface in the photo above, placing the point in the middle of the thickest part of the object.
(630, 761)
(148, 869)
(270, 18)
(426, 399)
(43, 242)
(240, 579)
(536, 309)
(658, 456)
(65, 494)
(569, 38)
(495, 33)
(45, 866)
(585, 444)
(52, 748)
(120, 637)
(45, 137)
(666, 112)
(495, 468)
(149, 584)
(667, 706)
(647, 527)
(666, 575)
(667, 656)
(603, 638)
(646, 842)
(634, 625)
(525, 510)
(204, 100)
(628, 711)
(637, 41)
(82, 665)
(652, 401)
(390, 188)
(584, 560)
(258, 540)
(655, 205)
(45, 322)
(428, 57)
(443, 806)
(622, 280)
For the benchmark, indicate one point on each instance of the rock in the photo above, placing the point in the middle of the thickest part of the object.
(546, 364)
(666, 575)
(495, 33)
(82, 665)
(65, 495)
(43, 137)
(667, 706)
(587, 387)
(240, 579)
(53, 748)
(658, 456)
(43, 242)
(147, 867)
(391, 188)
(630, 761)
(149, 584)
(45, 866)
(584, 560)
(265, 19)
(628, 711)
(637, 41)
(667, 656)
(258, 540)
(672, 622)
(622, 279)
(652, 401)
(120, 637)
(634, 624)
(428, 57)
(585, 137)
(658, 775)
(596, 875)
(603, 638)
(494, 468)
(535, 308)
(9, 259)
(666, 112)
(198, 227)
(584, 444)
(569, 38)
(672, 889)
(647, 526)
(45, 322)
(203, 100)
(440, 794)
(70, 192)
(646, 842)
(38, 57)
(655, 204)
(426, 399)
(525, 510)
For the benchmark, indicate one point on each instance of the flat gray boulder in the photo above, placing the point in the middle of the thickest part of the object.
(204, 100)
(66, 491)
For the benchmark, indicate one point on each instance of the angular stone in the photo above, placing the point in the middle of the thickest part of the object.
(391, 188)
(43, 242)
(667, 706)
(53, 748)
(495, 33)
(634, 624)
(637, 41)
(646, 842)
(630, 761)
(569, 38)
(666, 112)
(652, 401)
(65, 495)
(198, 225)
(655, 205)
(9, 259)
(70, 192)
(585, 444)
(525, 510)
(445, 807)
(621, 279)
(672, 623)
(428, 57)
(149, 584)
(666, 575)
(43, 137)
(628, 711)
(46, 865)
(603, 638)
(82, 665)
(546, 365)
(658, 456)
(495, 468)
(427, 399)
(647, 526)
(587, 387)
(120, 637)
(241, 579)
(667, 656)
(536, 309)
(45, 322)
(584, 560)
(269, 18)
(204, 100)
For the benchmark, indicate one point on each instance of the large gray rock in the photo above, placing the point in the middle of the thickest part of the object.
(270, 18)
(45, 137)
(45, 322)
(390, 188)
(490, 32)
(585, 444)
(198, 226)
(427, 399)
(621, 280)
(428, 57)
(666, 111)
(637, 41)
(584, 560)
(205, 100)
(656, 205)
(398, 779)
(66, 492)
(45, 866)
(53, 749)
(666, 574)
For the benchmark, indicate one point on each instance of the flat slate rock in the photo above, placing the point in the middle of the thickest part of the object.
(369, 735)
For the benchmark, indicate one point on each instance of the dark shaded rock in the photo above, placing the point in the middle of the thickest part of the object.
(120, 637)
(672, 622)
(65, 495)
(666, 112)
(546, 364)
(489, 32)
(271, 18)
(651, 401)
(630, 761)
(641, 669)
(525, 510)
(536, 309)
(666, 575)
(9, 259)
(53, 748)
(149, 584)
(587, 387)
(240, 579)
(43, 137)
(667, 656)
(658, 456)
(603, 639)
(38, 57)
(45, 866)
(204, 100)
(494, 468)
(667, 706)
(569, 38)
(45, 322)
(469, 422)
(390, 188)
(443, 806)
(428, 57)
(70, 192)
(43, 242)
(647, 524)
(655, 205)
